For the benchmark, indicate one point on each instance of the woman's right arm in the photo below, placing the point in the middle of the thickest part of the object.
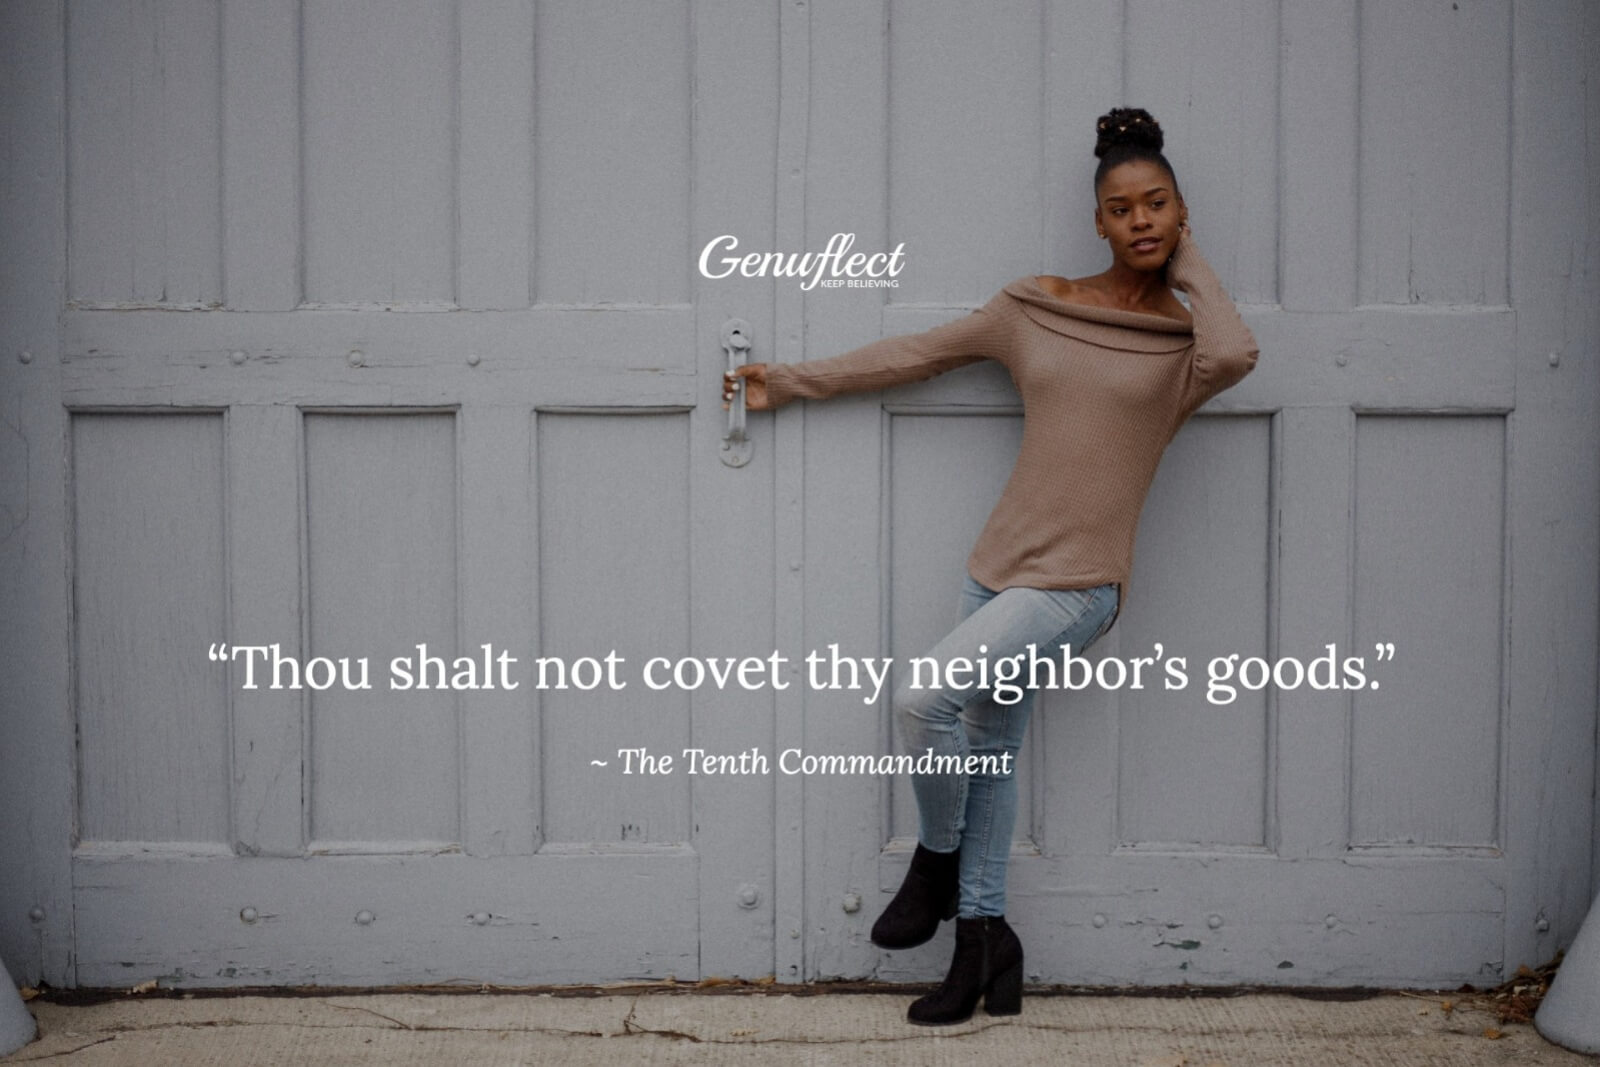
(911, 357)
(1224, 348)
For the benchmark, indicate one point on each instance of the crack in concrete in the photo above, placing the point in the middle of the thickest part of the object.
(118, 1029)
(19, 1058)
(631, 1026)
(379, 1014)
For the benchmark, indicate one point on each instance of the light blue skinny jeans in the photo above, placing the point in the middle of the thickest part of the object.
(977, 812)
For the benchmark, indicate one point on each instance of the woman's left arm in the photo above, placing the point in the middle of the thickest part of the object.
(1224, 348)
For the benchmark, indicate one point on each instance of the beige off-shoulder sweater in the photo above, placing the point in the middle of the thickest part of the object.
(1103, 391)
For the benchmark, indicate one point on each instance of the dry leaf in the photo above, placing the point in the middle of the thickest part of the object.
(144, 987)
(28, 992)
(1492, 1034)
(1447, 1006)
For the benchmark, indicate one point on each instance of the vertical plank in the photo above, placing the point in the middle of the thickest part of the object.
(264, 607)
(143, 157)
(741, 54)
(973, 73)
(261, 154)
(149, 595)
(827, 561)
(1426, 728)
(1209, 74)
(800, 100)
(380, 190)
(496, 154)
(381, 573)
(1319, 130)
(1083, 75)
(36, 785)
(1191, 772)
(604, 588)
(496, 575)
(1552, 833)
(1313, 491)
(612, 87)
(1435, 106)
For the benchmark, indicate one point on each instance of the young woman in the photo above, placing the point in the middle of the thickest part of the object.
(1108, 366)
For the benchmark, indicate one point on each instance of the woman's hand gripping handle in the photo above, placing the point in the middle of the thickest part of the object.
(752, 378)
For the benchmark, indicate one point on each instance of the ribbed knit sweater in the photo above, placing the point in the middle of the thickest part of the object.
(1103, 392)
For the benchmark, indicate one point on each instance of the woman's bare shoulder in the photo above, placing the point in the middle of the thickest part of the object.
(1071, 290)
(1088, 291)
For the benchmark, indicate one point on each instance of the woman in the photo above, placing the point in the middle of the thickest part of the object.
(1109, 366)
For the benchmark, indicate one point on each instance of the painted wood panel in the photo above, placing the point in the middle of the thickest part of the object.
(378, 118)
(1311, 497)
(1355, 162)
(542, 922)
(613, 576)
(1085, 67)
(1435, 141)
(261, 154)
(495, 187)
(1425, 731)
(612, 90)
(740, 842)
(1209, 74)
(964, 137)
(144, 161)
(1554, 261)
(1193, 771)
(36, 764)
(1318, 137)
(380, 507)
(266, 595)
(149, 597)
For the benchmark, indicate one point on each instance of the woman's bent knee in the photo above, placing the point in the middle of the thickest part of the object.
(917, 709)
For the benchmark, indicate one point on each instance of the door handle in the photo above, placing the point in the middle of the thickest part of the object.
(736, 447)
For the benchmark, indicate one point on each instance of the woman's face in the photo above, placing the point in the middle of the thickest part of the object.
(1139, 212)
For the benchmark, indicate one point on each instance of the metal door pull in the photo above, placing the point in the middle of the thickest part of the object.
(736, 447)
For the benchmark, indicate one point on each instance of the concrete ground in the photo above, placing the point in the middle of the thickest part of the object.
(777, 1027)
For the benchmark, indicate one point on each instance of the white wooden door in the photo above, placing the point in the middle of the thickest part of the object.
(1385, 476)
(348, 326)
(379, 336)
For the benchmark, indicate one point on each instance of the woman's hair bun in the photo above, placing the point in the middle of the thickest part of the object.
(1131, 126)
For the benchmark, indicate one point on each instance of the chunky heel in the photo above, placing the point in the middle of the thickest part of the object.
(987, 965)
(1005, 995)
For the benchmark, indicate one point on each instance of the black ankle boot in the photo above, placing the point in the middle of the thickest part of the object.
(926, 897)
(987, 963)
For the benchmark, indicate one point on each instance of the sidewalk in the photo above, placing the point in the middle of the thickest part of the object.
(803, 1026)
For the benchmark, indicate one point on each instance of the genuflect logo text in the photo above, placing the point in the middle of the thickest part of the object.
(835, 267)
